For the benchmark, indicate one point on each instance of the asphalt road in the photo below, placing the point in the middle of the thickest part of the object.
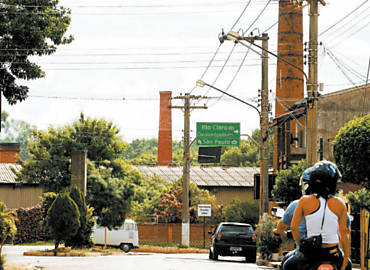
(130, 261)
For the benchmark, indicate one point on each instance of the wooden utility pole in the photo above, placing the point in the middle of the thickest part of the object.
(311, 127)
(185, 232)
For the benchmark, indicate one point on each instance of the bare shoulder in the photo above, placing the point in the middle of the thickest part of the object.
(337, 204)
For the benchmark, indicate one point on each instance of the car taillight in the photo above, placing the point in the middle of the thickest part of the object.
(219, 236)
(254, 238)
(325, 267)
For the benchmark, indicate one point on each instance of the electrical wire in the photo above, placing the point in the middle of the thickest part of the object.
(332, 57)
(89, 68)
(347, 67)
(211, 61)
(342, 19)
(340, 34)
(242, 62)
(258, 16)
(352, 34)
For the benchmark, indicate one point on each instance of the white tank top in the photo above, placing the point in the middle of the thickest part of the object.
(329, 230)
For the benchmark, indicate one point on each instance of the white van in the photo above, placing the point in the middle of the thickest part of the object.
(126, 237)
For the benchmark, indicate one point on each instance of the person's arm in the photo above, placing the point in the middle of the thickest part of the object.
(297, 218)
(281, 229)
(343, 232)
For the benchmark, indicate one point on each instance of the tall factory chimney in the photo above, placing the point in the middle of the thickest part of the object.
(165, 129)
(289, 80)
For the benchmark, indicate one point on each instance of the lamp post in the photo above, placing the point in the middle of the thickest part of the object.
(264, 198)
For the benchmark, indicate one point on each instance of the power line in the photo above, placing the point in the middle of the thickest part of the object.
(206, 4)
(342, 19)
(141, 68)
(78, 98)
(340, 34)
(243, 60)
(352, 34)
(218, 48)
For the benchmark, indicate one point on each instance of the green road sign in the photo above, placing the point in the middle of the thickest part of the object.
(218, 134)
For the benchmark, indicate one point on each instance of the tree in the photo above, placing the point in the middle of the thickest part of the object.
(28, 28)
(16, 131)
(286, 188)
(63, 219)
(110, 197)
(110, 179)
(245, 212)
(142, 152)
(147, 197)
(247, 154)
(352, 151)
(170, 207)
(359, 200)
(7, 228)
(50, 151)
(83, 235)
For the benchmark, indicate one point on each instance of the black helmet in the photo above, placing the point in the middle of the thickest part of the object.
(323, 178)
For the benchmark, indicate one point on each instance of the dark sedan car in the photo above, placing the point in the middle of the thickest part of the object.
(233, 239)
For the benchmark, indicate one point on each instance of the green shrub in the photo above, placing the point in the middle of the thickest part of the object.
(286, 188)
(351, 149)
(83, 236)
(266, 241)
(245, 212)
(7, 229)
(63, 219)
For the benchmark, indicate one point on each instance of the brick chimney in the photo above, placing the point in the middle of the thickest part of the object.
(9, 152)
(165, 129)
(289, 80)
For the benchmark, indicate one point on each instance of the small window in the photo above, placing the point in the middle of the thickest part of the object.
(128, 227)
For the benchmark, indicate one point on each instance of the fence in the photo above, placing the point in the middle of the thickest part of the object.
(170, 233)
(365, 239)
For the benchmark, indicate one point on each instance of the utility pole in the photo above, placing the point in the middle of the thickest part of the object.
(264, 185)
(311, 127)
(264, 181)
(185, 228)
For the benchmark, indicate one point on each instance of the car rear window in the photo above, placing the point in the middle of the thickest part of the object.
(237, 229)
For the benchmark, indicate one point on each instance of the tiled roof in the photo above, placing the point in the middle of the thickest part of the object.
(205, 176)
(7, 174)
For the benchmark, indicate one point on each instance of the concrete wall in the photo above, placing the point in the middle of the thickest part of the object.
(336, 109)
(20, 196)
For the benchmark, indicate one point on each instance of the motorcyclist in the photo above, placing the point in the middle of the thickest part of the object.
(285, 223)
(322, 183)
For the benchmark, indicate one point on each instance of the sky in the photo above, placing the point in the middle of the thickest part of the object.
(126, 52)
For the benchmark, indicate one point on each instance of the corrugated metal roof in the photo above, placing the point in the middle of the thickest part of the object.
(7, 174)
(205, 176)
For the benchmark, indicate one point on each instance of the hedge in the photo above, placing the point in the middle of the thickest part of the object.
(28, 226)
